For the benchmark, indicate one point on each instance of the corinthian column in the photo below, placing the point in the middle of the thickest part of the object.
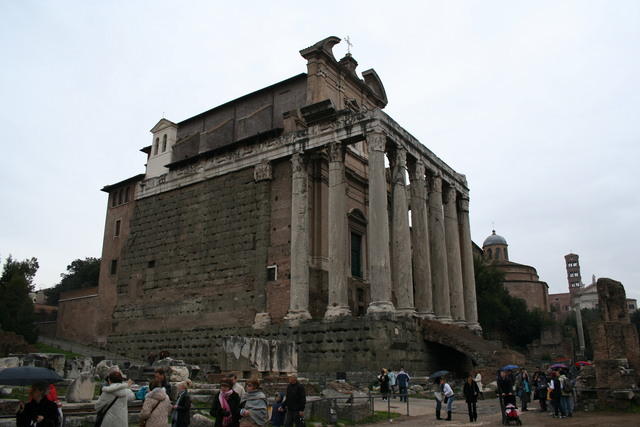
(338, 305)
(468, 274)
(454, 262)
(299, 288)
(378, 229)
(438, 247)
(420, 241)
(401, 274)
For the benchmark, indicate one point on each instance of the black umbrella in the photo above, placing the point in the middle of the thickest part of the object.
(439, 374)
(27, 375)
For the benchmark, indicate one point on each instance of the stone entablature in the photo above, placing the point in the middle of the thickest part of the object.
(352, 127)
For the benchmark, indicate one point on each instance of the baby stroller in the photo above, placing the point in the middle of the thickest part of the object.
(510, 414)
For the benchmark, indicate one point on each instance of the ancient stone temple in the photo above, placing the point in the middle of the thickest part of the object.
(268, 233)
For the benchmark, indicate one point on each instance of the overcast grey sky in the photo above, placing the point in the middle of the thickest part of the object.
(536, 102)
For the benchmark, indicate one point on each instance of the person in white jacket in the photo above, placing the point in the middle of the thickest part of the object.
(448, 396)
(118, 393)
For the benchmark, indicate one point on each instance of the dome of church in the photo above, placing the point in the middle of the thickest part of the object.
(494, 239)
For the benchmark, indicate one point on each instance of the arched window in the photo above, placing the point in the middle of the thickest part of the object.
(497, 253)
(164, 143)
(506, 255)
(155, 146)
(489, 253)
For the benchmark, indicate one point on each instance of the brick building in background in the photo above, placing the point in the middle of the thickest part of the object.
(585, 297)
(521, 281)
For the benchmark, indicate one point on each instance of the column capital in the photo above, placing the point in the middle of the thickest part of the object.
(450, 195)
(262, 171)
(336, 151)
(417, 170)
(297, 162)
(435, 184)
(399, 164)
(377, 141)
(463, 203)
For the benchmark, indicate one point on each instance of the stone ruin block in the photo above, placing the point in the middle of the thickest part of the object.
(612, 301)
(104, 368)
(73, 368)
(81, 389)
(177, 373)
(243, 353)
(52, 361)
(9, 362)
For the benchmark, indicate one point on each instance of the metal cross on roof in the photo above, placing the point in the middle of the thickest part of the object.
(349, 44)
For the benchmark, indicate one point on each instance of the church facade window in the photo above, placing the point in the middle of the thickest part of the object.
(116, 232)
(357, 233)
(356, 255)
(155, 146)
(164, 143)
(272, 273)
(114, 266)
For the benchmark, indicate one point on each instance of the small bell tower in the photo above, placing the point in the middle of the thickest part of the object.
(164, 137)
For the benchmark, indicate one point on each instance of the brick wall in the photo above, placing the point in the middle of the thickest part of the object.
(78, 315)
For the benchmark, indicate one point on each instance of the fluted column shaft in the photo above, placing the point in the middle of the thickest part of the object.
(338, 305)
(401, 271)
(438, 247)
(299, 287)
(468, 273)
(420, 241)
(454, 261)
(378, 229)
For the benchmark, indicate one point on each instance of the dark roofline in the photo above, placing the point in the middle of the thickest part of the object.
(146, 150)
(261, 136)
(264, 89)
(514, 264)
(136, 178)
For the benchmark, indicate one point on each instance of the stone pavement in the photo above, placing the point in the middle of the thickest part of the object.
(423, 414)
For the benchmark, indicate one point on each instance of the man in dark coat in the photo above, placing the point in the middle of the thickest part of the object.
(505, 385)
(471, 393)
(39, 411)
(294, 402)
(556, 394)
(403, 384)
(181, 416)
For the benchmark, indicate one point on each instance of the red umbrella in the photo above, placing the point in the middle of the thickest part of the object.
(583, 363)
(558, 366)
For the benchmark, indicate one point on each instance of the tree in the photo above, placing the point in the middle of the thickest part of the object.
(81, 273)
(501, 315)
(16, 307)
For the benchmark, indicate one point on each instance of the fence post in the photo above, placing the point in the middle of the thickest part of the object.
(407, 400)
(388, 408)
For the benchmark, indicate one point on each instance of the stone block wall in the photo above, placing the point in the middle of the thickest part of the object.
(359, 347)
(616, 340)
(190, 257)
